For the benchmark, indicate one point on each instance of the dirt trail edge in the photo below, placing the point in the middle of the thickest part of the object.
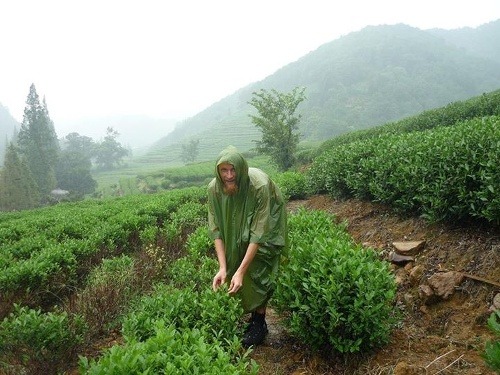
(436, 336)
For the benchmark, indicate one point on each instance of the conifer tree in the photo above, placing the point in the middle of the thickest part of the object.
(18, 189)
(38, 143)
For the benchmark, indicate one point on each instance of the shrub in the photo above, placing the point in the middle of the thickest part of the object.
(39, 342)
(492, 349)
(170, 351)
(149, 234)
(332, 291)
(190, 214)
(199, 266)
(216, 313)
(199, 243)
(189, 272)
(187, 217)
(443, 174)
(293, 185)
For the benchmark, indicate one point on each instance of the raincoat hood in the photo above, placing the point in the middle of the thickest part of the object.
(231, 156)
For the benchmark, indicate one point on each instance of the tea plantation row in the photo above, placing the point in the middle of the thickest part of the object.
(164, 239)
(443, 174)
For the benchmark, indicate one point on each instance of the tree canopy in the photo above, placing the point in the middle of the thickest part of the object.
(38, 143)
(75, 162)
(279, 123)
(190, 151)
(18, 189)
(110, 152)
(35, 164)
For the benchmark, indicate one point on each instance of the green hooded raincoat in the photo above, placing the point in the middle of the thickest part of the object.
(255, 214)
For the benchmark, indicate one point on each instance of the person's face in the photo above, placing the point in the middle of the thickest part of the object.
(228, 175)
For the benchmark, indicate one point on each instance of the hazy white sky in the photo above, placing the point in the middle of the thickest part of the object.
(174, 58)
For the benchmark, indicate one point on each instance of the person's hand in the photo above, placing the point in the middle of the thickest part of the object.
(219, 279)
(236, 283)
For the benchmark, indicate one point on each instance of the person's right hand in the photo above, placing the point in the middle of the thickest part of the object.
(219, 279)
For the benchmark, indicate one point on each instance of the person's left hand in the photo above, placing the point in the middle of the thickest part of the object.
(236, 283)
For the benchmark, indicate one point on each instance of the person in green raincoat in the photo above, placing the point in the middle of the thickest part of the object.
(247, 221)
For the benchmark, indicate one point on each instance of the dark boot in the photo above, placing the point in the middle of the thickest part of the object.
(256, 331)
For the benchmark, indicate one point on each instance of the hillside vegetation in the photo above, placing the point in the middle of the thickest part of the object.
(442, 164)
(367, 78)
(198, 174)
(139, 267)
(363, 79)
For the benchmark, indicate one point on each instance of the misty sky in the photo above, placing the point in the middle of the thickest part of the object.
(175, 58)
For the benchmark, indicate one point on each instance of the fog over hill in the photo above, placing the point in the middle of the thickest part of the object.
(363, 79)
(136, 132)
(8, 124)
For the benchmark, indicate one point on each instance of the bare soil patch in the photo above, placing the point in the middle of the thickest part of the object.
(445, 337)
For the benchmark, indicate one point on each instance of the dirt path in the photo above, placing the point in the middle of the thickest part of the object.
(444, 337)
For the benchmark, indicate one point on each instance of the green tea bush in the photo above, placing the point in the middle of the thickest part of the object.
(333, 169)
(199, 243)
(306, 152)
(480, 106)
(449, 173)
(46, 252)
(190, 214)
(36, 342)
(149, 235)
(185, 219)
(170, 351)
(333, 292)
(492, 349)
(293, 185)
(215, 313)
(194, 273)
(444, 174)
(118, 268)
(197, 268)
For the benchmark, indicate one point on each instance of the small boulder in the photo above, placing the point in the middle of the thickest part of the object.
(399, 259)
(444, 283)
(416, 274)
(408, 247)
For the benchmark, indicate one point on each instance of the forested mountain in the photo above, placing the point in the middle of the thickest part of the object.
(363, 79)
(366, 78)
(482, 41)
